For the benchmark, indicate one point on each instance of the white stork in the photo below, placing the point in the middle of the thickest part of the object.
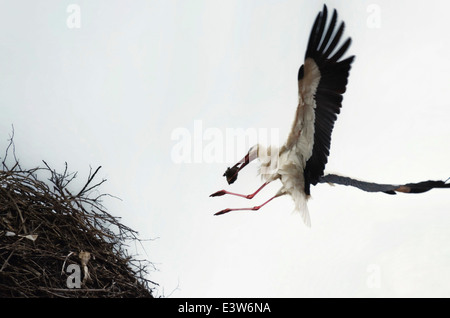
(301, 161)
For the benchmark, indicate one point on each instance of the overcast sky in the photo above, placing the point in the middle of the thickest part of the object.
(162, 95)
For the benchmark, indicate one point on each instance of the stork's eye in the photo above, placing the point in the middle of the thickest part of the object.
(301, 72)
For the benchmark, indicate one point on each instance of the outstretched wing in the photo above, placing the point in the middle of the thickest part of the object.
(322, 80)
(419, 187)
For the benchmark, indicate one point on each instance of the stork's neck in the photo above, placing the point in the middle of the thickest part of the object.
(268, 158)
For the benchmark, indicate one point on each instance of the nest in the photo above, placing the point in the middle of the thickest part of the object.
(57, 243)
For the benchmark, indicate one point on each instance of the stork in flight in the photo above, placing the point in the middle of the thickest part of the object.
(300, 161)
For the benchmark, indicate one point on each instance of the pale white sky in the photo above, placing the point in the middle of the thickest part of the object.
(113, 92)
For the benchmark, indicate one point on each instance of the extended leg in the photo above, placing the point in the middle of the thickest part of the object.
(248, 196)
(255, 208)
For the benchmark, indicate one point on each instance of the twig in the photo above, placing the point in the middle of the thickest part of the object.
(90, 178)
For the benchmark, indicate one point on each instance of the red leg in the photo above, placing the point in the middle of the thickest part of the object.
(248, 196)
(255, 208)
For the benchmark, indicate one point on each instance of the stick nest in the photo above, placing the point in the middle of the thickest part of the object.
(56, 243)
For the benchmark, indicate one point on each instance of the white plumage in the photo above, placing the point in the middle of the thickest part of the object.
(289, 163)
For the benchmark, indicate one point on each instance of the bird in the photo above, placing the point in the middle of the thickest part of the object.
(300, 162)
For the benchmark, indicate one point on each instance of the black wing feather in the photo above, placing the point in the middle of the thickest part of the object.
(418, 187)
(333, 81)
(327, 37)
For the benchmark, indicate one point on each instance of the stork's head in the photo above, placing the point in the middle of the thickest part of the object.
(232, 173)
(268, 158)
